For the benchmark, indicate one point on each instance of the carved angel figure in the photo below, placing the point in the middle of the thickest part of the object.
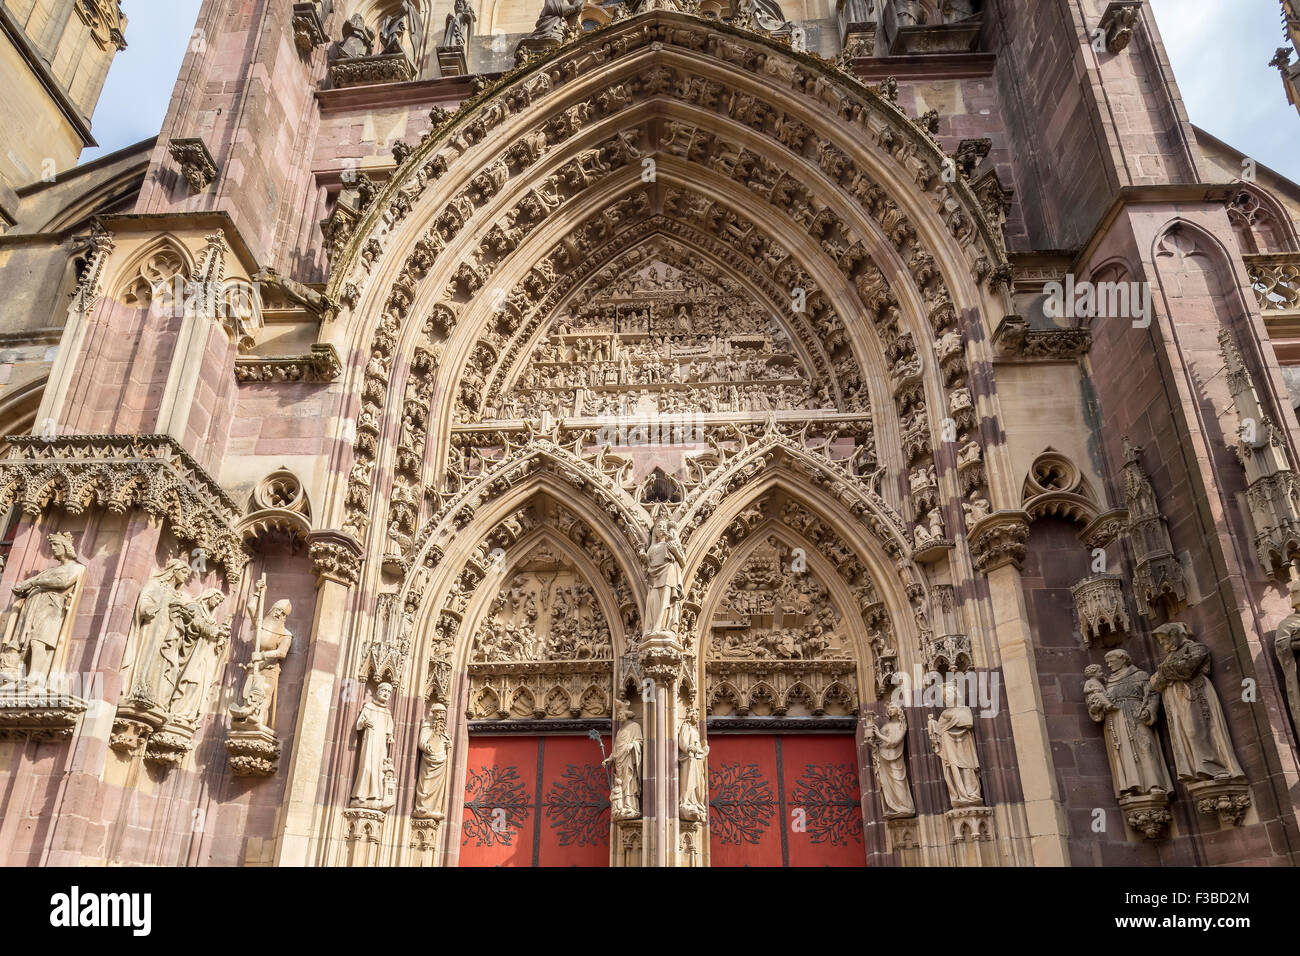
(888, 746)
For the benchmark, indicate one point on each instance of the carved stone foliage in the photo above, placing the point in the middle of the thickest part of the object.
(776, 643)
(122, 473)
(321, 364)
(1158, 580)
(1013, 337)
(544, 647)
(1117, 23)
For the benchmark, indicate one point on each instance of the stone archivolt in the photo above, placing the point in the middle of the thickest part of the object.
(829, 168)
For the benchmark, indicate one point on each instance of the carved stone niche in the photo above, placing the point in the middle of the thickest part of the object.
(1117, 22)
(196, 162)
(1103, 617)
(905, 30)
(1158, 579)
(308, 26)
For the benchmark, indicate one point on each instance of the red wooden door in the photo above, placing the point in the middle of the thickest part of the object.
(535, 801)
(784, 800)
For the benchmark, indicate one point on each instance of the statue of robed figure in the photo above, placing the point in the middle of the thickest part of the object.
(625, 791)
(41, 616)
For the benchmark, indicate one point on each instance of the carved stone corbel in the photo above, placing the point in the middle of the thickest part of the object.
(1117, 22)
(308, 27)
(1099, 603)
(195, 160)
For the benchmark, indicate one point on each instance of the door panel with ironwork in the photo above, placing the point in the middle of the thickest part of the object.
(784, 800)
(535, 801)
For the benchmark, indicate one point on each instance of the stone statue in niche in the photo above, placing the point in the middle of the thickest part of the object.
(1198, 731)
(552, 23)
(692, 757)
(358, 39)
(1127, 707)
(1287, 643)
(203, 639)
(40, 616)
(270, 647)
(459, 26)
(375, 788)
(952, 737)
(665, 561)
(888, 744)
(392, 29)
(152, 630)
(435, 751)
(626, 756)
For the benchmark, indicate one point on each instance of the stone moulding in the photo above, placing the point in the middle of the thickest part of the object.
(152, 473)
(322, 364)
(39, 716)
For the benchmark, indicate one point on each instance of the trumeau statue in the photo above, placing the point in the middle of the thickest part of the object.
(40, 616)
(692, 755)
(375, 786)
(435, 751)
(153, 630)
(665, 562)
(1127, 707)
(1287, 643)
(625, 793)
(270, 647)
(888, 744)
(952, 736)
(1198, 731)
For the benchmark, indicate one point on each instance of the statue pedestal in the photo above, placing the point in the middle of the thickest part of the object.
(452, 60)
(363, 828)
(628, 845)
(38, 714)
(972, 835)
(1229, 798)
(253, 750)
(167, 747)
(1147, 813)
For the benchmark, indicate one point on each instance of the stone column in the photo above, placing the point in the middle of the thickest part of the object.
(661, 659)
(997, 545)
(336, 557)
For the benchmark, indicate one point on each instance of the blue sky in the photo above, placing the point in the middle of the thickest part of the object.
(1219, 49)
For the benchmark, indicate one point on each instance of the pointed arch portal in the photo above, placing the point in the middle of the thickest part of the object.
(672, 269)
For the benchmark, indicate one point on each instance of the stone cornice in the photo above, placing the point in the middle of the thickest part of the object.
(120, 473)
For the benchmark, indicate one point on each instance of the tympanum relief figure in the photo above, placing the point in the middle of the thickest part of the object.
(952, 736)
(375, 787)
(626, 757)
(888, 743)
(40, 616)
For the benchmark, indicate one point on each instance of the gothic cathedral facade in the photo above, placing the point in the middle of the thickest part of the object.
(645, 433)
